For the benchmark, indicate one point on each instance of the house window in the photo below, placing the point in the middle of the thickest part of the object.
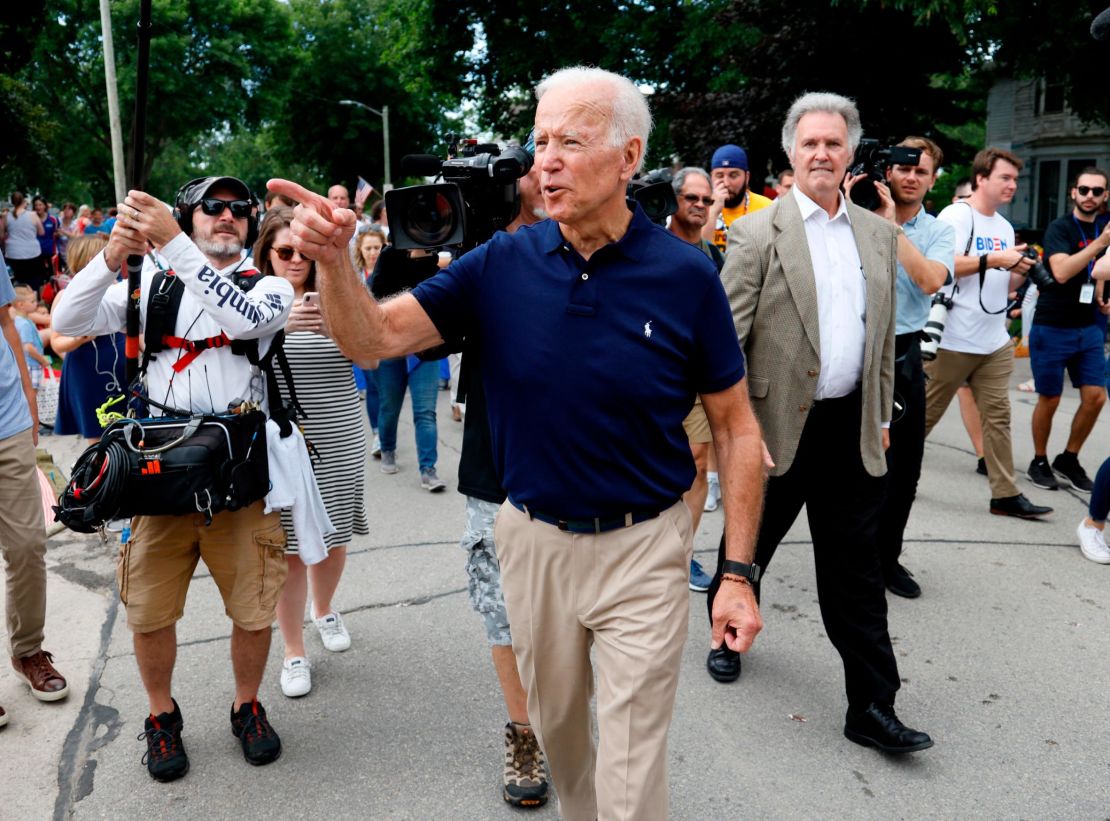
(1048, 192)
(1049, 98)
(1074, 167)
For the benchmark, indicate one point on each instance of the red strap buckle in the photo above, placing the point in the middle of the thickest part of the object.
(193, 348)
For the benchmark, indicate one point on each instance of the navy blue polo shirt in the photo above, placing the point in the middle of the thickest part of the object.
(589, 367)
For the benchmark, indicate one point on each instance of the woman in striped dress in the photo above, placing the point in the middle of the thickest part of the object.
(334, 425)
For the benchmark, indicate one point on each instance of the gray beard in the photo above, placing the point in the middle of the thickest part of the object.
(213, 247)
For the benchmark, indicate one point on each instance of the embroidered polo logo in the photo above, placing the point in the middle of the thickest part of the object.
(647, 329)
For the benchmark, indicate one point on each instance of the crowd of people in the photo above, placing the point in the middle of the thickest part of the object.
(726, 360)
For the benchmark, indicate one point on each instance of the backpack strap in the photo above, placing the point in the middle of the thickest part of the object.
(162, 307)
(282, 413)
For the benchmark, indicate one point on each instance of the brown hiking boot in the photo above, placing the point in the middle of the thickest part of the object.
(46, 683)
(525, 777)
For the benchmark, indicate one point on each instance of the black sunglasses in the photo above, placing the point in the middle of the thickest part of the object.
(285, 253)
(214, 207)
(693, 198)
(1084, 190)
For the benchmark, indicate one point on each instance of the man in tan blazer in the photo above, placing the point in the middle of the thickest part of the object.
(811, 285)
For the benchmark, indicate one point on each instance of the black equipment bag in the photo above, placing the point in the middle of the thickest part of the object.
(203, 464)
(168, 466)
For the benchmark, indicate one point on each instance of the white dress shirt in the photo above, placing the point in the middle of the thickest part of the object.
(841, 296)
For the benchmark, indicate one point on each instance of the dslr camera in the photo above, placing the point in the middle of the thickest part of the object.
(477, 196)
(655, 193)
(1038, 274)
(873, 159)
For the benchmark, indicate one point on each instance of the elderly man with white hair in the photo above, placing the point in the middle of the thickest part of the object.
(811, 281)
(596, 329)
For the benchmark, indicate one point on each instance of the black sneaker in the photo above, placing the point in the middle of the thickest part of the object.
(261, 744)
(1070, 472)
(1018, 506)
(981, 468)
(1040, 474)
(165, 757)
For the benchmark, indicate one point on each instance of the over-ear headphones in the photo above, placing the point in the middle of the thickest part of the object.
(188, 197)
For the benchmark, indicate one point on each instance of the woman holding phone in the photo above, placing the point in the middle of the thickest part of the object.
(326, 390)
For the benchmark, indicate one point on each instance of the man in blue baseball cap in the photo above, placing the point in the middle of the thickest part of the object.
(731, 197)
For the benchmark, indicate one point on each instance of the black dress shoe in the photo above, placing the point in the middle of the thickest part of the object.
(878, 726)
(723, 664)
(899, 581)
(1018, 506)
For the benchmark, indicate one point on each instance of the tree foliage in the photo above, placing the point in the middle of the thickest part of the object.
(251, 87)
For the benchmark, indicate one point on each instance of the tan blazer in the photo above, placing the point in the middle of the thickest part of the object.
(768, 277)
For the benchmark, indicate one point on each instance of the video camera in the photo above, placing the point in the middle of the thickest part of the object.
(873, 159)
(478, 196)
(655, 193)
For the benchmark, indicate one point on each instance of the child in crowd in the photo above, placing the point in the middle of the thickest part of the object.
(26, 303)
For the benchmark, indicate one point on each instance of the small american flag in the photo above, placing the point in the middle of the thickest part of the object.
(362, 191)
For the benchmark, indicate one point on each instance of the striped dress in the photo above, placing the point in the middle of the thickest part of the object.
(335, 425)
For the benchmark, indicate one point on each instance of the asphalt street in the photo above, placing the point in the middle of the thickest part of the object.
(1004, 661)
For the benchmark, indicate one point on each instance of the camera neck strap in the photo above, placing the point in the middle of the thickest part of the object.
(982, 266)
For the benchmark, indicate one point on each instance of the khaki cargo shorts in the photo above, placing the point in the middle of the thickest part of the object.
(244, 550)
(696, 424)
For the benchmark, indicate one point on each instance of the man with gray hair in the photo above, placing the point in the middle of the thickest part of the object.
(694, 193)
(811, 281)
(586, 388)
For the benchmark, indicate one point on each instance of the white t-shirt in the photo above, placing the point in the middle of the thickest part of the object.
(969, 328)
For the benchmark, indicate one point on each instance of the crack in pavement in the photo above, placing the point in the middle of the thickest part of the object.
(75, 769)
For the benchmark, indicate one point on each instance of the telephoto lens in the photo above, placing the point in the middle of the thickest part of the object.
(934, 326)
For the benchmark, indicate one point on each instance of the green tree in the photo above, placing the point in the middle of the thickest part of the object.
(214, 66)
(349, 49)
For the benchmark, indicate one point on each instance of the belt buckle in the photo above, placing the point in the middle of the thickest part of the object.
(562, 524)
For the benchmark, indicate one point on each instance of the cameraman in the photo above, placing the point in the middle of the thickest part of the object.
(202, 239)
(1066, 333)
(975, 346)
(926, 254)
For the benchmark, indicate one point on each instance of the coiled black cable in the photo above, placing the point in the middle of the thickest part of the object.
(95, 490)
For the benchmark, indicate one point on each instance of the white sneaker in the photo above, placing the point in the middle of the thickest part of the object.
(713, 497)
(296, 677)
(376, 447)
(332, 632)
(1092, 543)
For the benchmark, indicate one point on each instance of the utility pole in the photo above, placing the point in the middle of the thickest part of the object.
(113, 101)
(387, 185)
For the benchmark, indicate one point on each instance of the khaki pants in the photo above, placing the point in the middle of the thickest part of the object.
(23, 544)
(989, 377)
(625, 594)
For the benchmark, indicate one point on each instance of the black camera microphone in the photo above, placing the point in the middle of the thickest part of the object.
(1100, 26)
(421, 165)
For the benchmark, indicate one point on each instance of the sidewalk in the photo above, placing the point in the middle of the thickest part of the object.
(1004, 661)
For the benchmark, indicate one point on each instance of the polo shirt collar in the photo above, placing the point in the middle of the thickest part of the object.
(808, 207)
(630, 245)
(912, 221)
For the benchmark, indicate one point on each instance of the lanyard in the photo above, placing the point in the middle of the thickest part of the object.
(1084, 241)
